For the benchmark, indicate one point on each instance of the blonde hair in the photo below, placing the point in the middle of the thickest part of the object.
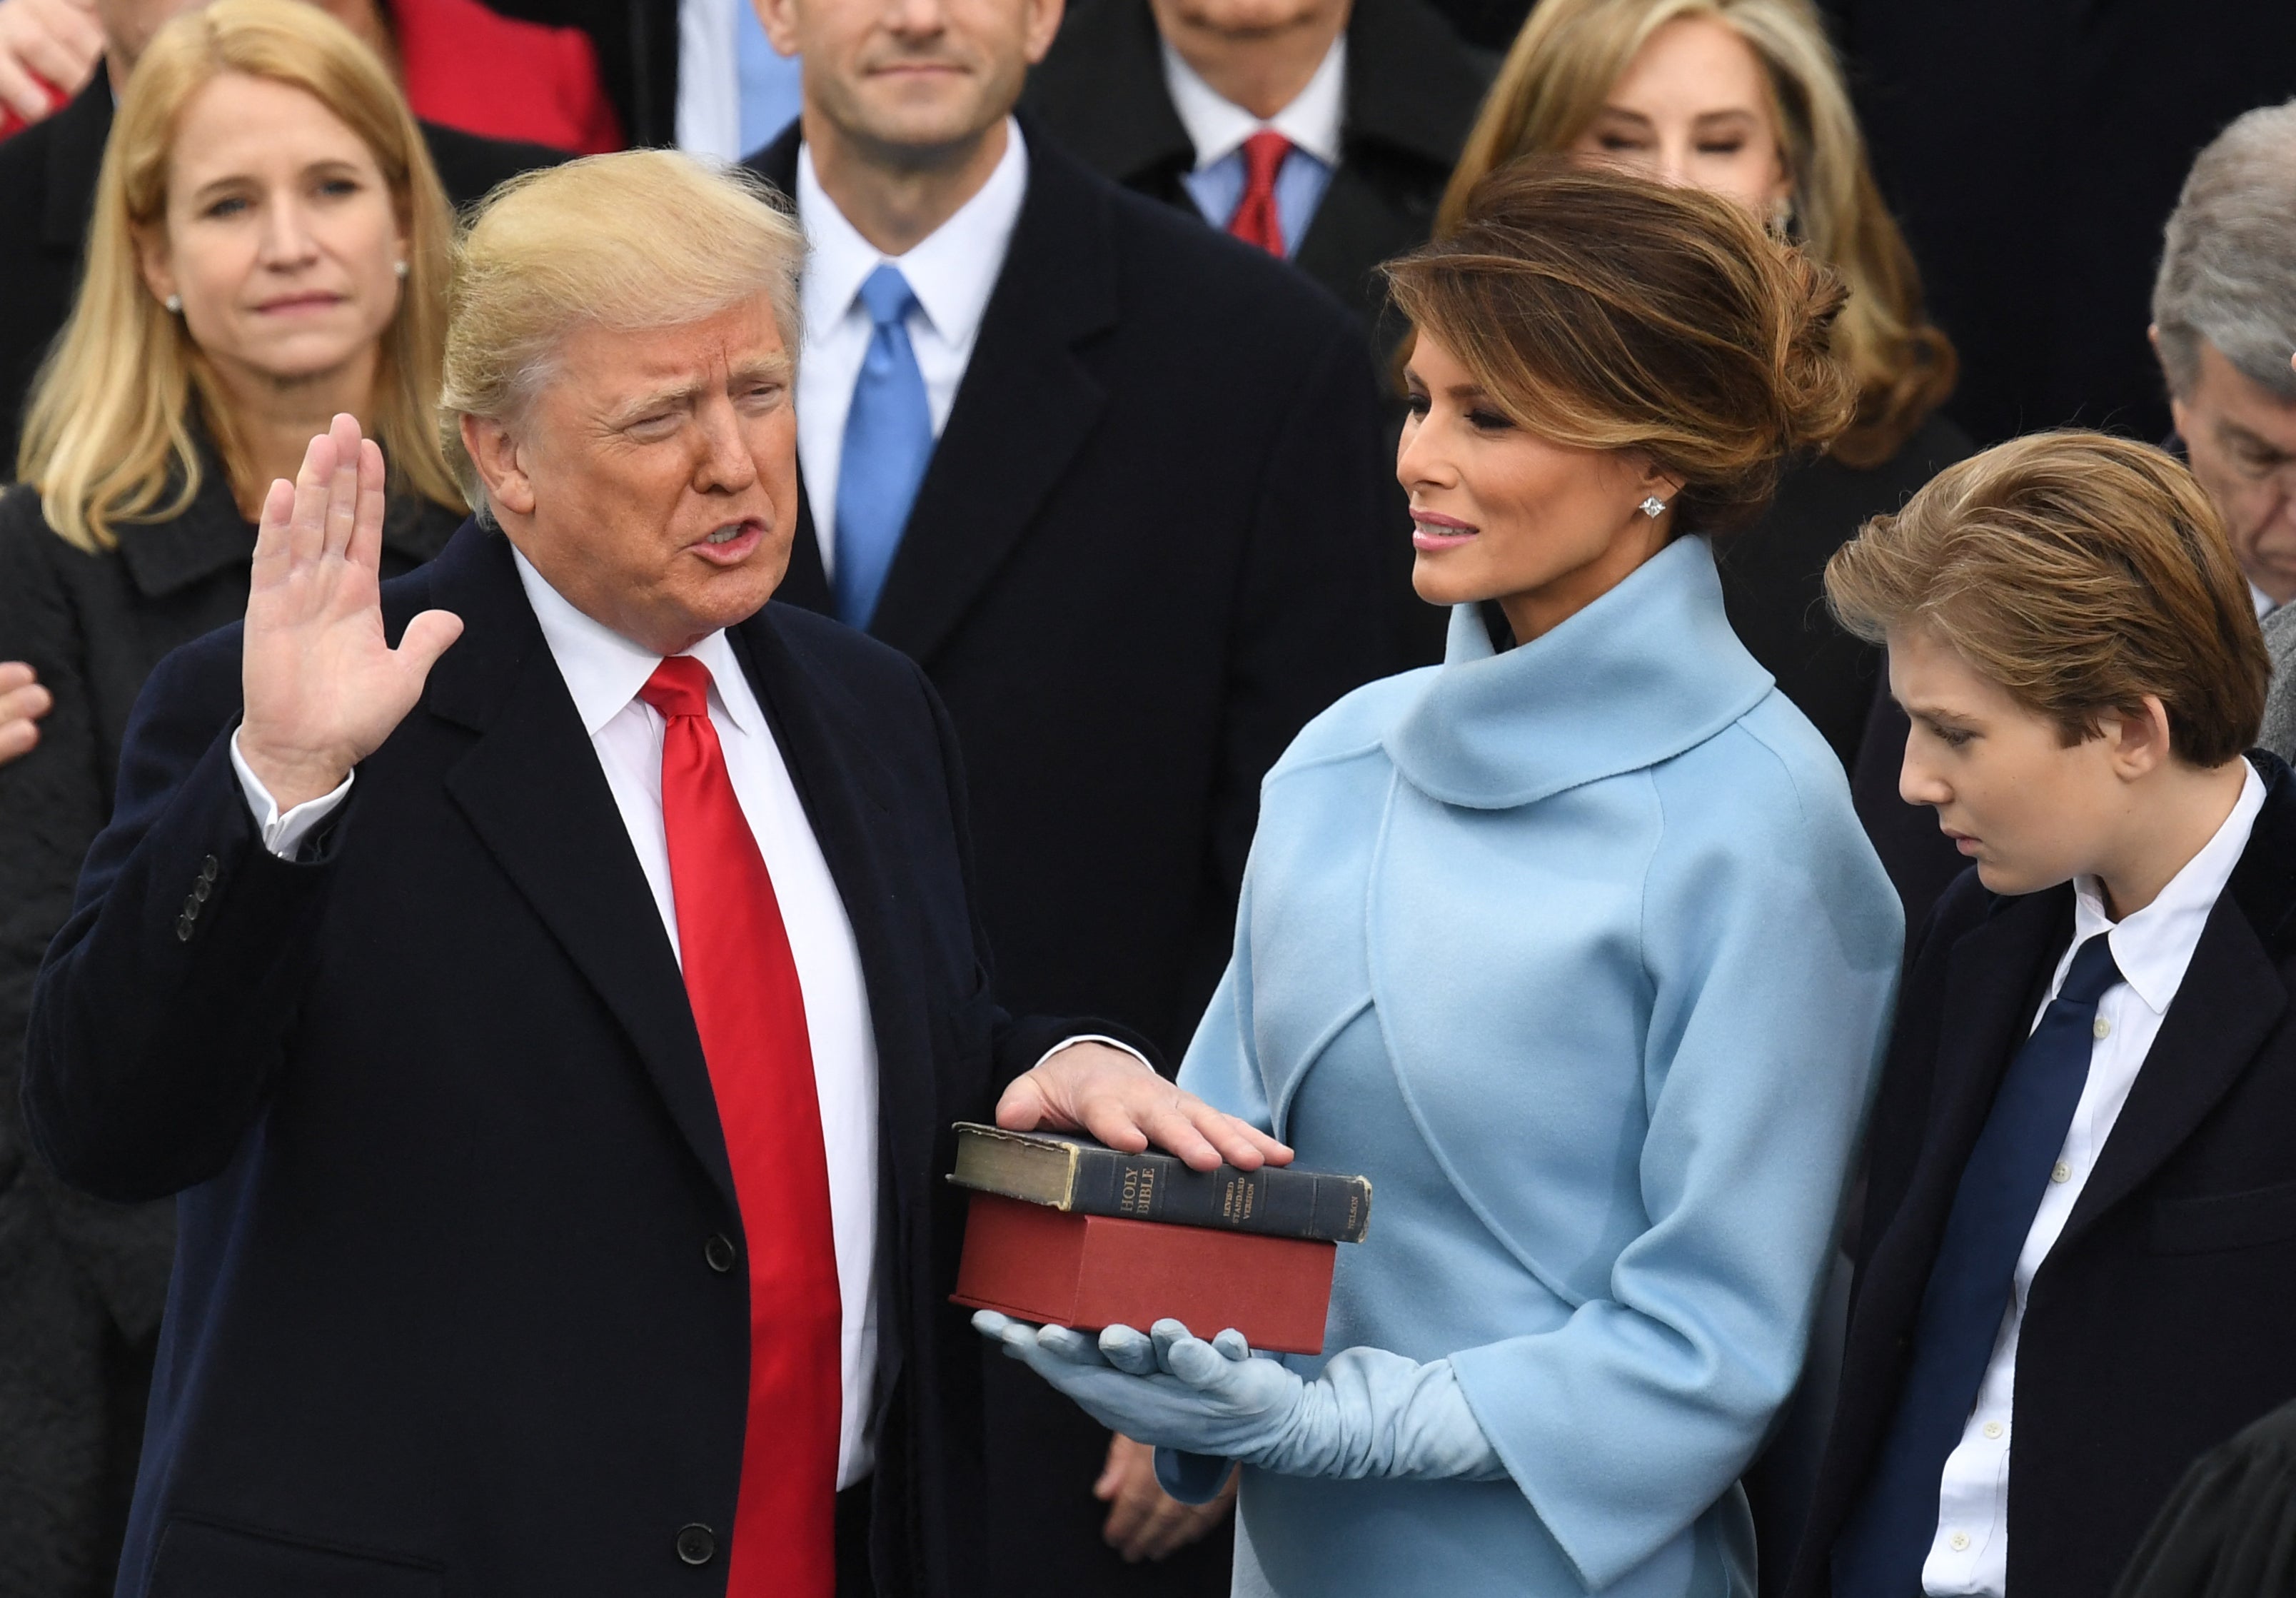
(1564, 63)
(108, 428)
(1607, 311)
(636, 241)
(2079, 571)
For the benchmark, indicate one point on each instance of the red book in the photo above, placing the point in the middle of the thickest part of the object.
(1061, 1269)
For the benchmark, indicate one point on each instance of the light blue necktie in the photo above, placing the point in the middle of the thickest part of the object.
(889, 440)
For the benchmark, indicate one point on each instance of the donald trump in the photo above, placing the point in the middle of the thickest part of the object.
(548, 982)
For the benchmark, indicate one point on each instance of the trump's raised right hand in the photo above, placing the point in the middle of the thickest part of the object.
(323, 688)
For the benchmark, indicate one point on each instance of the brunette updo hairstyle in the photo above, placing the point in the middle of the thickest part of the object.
(1607, 311)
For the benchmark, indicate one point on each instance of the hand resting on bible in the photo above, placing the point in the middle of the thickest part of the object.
(1115, 1097)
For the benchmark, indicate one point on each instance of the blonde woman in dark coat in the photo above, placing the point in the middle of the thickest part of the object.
(269, 245)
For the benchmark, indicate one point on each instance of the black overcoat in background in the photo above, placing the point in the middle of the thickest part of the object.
(82, 1282)
(47, 194)
(1142, 556)
(2230, 1531)
(2162, 1322)
(1412, 91)
(2032, 152)
(443, 1319)
(1773, 579)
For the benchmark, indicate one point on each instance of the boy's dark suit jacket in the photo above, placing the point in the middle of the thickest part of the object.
(1143, 555)
(443, 1320)
(2162, 1322)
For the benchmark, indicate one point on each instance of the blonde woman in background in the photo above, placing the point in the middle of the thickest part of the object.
(269, 248)
(1746, 98)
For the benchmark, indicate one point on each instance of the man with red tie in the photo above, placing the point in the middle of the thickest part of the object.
(547, 984)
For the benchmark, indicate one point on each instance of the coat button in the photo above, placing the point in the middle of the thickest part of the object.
(190, 909)
(201, 889)
(184, 929)
(207, 869)
(719, 1252)
(697, 1544)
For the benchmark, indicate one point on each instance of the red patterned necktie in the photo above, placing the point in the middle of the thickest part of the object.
(1256, 221)
(741, 981)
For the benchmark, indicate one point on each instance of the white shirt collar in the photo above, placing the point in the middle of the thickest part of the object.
(952, 270)
(1217, 128)
(2154, 946)
(2264, 603)
(604, 671)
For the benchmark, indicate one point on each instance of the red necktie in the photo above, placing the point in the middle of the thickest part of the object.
(1256, 221)
(741, 981)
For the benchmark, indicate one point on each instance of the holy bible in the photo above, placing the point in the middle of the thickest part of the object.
(1064, 1230)
(1078, 1173)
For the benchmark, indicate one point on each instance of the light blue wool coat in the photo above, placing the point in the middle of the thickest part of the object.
(1580, 954)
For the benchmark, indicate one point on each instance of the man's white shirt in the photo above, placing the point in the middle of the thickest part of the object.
(2153, 947)
(1218, 127)
(952, 270)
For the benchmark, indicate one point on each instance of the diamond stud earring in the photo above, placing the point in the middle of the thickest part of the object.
(175, 305)
(1654, 507)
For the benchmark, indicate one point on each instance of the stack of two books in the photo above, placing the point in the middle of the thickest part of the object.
(1069, 1232)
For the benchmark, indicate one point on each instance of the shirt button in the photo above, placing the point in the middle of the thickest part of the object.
(719, 1252)
(697, 1544)
(1959, 1542)
(2102, 1028)
(2061, 1172)
(1993, 1429)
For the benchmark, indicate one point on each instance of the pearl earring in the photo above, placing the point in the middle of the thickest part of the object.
(1654, 507)
(400, 267)
(175, 305)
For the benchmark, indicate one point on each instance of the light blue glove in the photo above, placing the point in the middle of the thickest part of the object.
(1370, 1413)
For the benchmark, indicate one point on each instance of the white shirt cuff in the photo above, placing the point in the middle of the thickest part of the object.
(282, 835)
(1090, 1038)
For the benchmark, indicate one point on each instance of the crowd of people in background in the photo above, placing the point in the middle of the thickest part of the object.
(1131, 355)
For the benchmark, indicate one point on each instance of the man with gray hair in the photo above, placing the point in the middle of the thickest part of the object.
(2224, 325)
(547, 982)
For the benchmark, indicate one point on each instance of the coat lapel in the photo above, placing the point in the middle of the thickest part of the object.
(1993, 976)
(1027, 405)
(532, 789)
(2232, 998)
(824, 741)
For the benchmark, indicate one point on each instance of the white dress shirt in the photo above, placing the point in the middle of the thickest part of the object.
(1217, 128)
(2152, 947)
(951, 272)
(2264, 603)
(604, 672)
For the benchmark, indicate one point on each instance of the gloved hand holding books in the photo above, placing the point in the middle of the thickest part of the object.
(1369, 1413)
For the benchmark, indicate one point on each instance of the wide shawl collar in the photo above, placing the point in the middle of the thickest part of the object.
(1650, 669)
(1500, 899)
